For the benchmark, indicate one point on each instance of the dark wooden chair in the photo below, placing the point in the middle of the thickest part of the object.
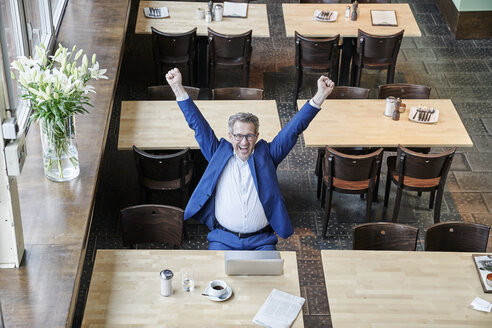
(375, 52)
(164, 92)
(404, 91)
(237, 94)
(418, 172)
(339, 93)
(152, 223)
(159, 173)
(385, 236)
(349, 174)
(170, 49)
(457, 237)
(229, 51)
(318, 54)
(319, 1)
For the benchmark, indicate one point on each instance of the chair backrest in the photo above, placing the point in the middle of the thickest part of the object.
(316, 53)
(380, 48)
(173, 47)
(457, 237)
(385, 236)
(319, 1)
(164, 92)
(352, 167)
(349, 93)
(229, 49)
(423, 166)
(163, 172)
(237, 94)
(152, 223)
(404, 91)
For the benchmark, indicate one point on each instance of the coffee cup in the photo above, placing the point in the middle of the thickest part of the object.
(217, 288)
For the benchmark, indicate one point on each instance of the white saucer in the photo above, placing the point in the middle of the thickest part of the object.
(223, 297)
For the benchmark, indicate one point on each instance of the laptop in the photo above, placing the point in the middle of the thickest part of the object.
(253, 263)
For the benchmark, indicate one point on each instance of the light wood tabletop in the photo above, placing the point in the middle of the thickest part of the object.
(403, 289)
(361, 122)
(161, 124)
(125, 290)
(182, 18)
(299, 17)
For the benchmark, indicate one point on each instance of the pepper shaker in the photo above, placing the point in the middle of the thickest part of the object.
(396, 115)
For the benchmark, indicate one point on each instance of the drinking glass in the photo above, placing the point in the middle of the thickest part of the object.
(188, 280)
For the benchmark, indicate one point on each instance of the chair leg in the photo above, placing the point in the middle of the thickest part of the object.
(387, 190)
(376, 187)
(327, 215)
(437, 206)
(396, 210)
(319, 173)
(368, 206)
(190, 74)
(391, 75)
(211, 78)
(320, 185)
(246, 75)
(353, 74)
(323, 194)
(431, 199)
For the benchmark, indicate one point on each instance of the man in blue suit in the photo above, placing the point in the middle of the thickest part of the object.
(238, 196)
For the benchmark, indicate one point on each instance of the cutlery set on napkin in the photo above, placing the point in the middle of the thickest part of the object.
(325, 16)
(423, 114)
(152, 12)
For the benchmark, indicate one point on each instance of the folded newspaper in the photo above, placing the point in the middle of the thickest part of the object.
(279, 310)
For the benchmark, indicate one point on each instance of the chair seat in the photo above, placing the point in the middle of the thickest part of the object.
(349, 185)
(167, 185)
(410, 181)
(376, 63)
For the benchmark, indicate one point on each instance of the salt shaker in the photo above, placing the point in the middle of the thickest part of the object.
(208, 16)
(347, 12)
(166, 282)
(390, 106)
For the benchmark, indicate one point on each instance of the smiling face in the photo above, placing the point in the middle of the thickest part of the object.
(243, 147)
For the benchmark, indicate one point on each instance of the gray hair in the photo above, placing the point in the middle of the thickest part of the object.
(245, 118)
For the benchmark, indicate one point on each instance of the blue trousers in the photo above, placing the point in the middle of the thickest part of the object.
(221, 240)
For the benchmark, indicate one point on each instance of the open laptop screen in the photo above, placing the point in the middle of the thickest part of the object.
(249, 263)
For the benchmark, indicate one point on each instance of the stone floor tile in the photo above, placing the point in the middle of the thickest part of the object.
(418, 54)
(487, 197)
(480, 162)
(320, 321)
(474, 109)
(318, 299)
(313, 270)
(487, 122)
(474, 181)
(468, 202)
(459, 163)
(462, 79)
(482, 143)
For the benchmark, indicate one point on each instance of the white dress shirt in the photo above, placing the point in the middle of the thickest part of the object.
(237, 205)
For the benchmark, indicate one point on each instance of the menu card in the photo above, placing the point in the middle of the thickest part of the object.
(483, 263)
(279, 310)
(384, 17)
(235, 9)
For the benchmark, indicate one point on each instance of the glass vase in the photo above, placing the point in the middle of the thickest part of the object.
(60, 154)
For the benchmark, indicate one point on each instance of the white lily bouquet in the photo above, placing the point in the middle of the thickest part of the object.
(56, 87)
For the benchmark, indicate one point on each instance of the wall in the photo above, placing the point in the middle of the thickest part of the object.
(473, 5)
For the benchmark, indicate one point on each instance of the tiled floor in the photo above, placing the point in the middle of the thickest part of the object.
(456, 69)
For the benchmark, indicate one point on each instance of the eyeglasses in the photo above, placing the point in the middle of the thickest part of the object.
(239, 136)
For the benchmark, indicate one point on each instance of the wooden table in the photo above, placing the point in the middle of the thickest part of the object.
(299, 17)
(161, 124)
(352, 123)
(403, 289)
(124, 290)
(183, 18)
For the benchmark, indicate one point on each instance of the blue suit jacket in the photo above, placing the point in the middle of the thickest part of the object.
(263, 164)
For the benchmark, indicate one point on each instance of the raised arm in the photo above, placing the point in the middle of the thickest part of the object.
(204, 134)
(287, 137)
